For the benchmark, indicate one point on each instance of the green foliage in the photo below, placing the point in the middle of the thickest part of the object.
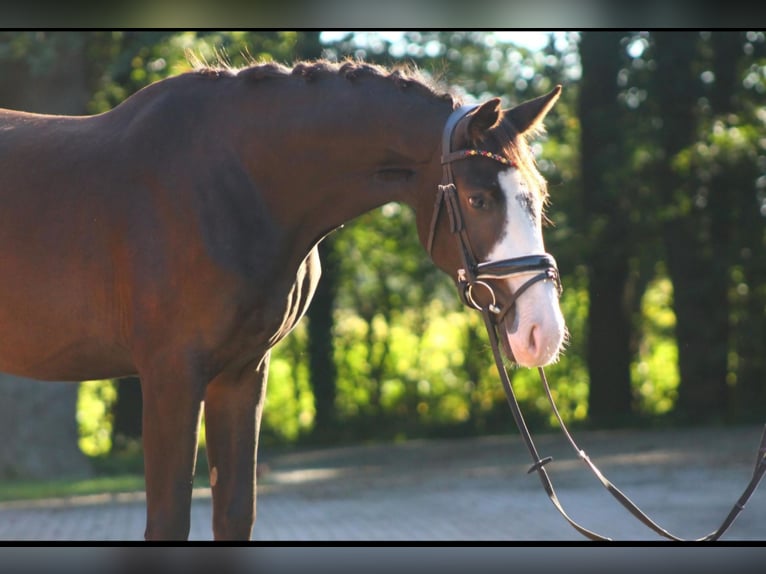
(289, 401)
(424, 370)
(94, 402)
(37, 489)
(655, 372)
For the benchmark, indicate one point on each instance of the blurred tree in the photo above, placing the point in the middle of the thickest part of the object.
(126, 414)
(737, 198)
(694, 244)
(607, 203)
(321, 346)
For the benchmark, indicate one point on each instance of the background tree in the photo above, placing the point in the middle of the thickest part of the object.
(321, 347)
(747, 159)
(727, 170)
(607, 202)
(694, 233)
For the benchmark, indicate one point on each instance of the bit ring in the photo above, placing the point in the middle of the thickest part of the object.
(469, 297)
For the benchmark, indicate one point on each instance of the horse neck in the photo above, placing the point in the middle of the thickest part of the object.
(323, 161)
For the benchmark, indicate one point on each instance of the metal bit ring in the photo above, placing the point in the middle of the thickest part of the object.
(469, 297)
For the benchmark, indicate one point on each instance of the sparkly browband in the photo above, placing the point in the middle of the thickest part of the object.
(466, 153)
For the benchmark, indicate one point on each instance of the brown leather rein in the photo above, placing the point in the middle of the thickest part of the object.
(474, 274)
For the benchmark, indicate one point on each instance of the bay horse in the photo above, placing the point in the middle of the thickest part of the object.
(175, 237)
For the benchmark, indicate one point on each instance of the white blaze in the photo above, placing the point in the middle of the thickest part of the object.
(538, 330)
(523, 212)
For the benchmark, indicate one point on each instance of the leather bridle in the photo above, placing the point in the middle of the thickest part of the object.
(475, 274)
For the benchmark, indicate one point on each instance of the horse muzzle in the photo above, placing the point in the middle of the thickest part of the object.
(537, 340)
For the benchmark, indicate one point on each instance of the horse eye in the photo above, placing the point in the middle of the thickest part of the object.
(477, 202)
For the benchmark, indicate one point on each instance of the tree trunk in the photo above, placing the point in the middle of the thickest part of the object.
(321, 348)
(127, 409)
(746, 232)
(751, 331)
(39, 430)
(697, 262)
(602, 159)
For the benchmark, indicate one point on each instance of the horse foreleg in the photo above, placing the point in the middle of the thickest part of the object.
(171, 413)
(233, 407)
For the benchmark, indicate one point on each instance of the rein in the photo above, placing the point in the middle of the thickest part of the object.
(473, 274)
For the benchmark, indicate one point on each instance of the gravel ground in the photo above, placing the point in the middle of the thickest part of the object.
(470, 490)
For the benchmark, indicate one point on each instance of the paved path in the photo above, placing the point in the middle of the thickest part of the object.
(462, 490)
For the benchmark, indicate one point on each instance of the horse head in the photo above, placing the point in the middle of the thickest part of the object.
(494, 199)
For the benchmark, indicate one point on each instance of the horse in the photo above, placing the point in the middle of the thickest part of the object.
(174, 237)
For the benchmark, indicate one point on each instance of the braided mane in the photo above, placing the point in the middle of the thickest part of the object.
(403, 76)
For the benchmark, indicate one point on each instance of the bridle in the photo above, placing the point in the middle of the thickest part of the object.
(475, 274)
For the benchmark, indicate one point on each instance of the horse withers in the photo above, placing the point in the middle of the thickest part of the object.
(174, 237)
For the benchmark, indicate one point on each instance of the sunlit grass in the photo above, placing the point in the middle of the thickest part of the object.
(111, 474)
(37, 489)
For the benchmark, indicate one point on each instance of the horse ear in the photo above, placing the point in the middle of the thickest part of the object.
(483, 119)
(528, 116)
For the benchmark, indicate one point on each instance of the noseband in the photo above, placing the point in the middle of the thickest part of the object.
(473, 275)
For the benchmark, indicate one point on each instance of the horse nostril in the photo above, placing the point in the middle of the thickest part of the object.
(532, 342)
